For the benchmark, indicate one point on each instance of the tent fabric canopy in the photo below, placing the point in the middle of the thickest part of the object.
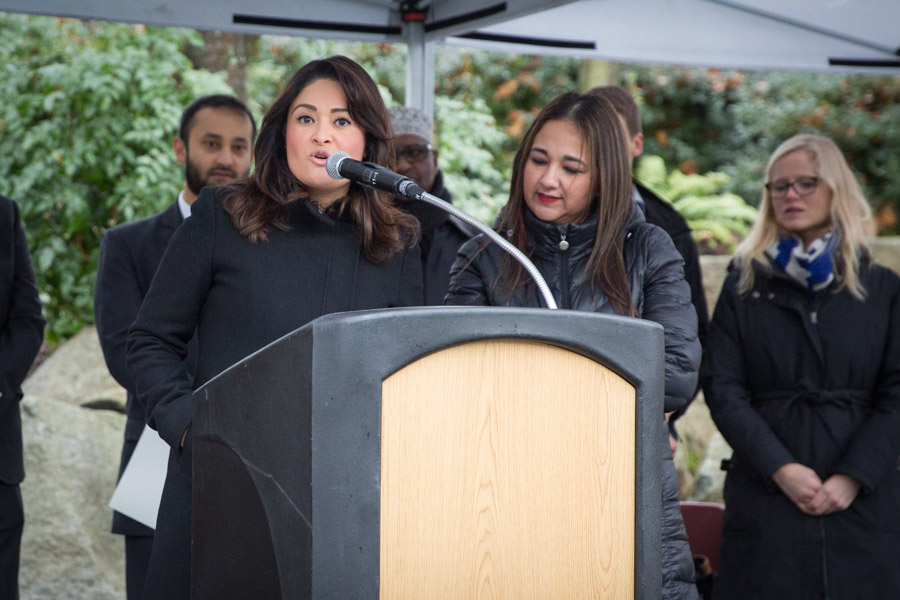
(808, 35)
(754, 34)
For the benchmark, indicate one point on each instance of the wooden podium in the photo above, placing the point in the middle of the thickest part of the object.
(448, 452)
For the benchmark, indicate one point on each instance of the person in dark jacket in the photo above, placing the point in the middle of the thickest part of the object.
(21, 334)
(662, 214)
(802, 376)
(570, 210)
(262, 257)
(656, 210)
(442, 233)
(214, 143)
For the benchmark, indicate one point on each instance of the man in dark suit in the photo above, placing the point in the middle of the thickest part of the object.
(215, 145)
(442, 233)
(21, 334)
(660, 213)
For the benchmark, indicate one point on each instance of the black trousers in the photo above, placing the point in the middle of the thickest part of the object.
(12, 518)
(137, 559)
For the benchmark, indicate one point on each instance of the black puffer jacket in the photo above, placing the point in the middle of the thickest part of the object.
(813, 379)
(659, 293)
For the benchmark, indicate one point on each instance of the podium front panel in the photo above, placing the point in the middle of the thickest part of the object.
(507, 471)
(311, 457)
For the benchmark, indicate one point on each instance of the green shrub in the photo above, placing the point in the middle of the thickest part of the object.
(718, 219)
(703, 120)
(87, 122)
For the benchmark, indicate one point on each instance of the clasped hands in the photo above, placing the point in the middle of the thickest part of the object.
(814, 497)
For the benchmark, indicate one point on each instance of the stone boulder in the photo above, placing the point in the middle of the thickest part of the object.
(695, 428)
(76, 373)
(714, 269)
(709, 480)
(886, 251)
(71, 463)
(72, 424)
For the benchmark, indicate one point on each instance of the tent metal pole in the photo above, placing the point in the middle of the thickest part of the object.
(419, 69)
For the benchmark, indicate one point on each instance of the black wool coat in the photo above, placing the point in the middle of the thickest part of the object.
(239, 296)
(813, 379)
(659, 293)
(129, 256)
(21, 334)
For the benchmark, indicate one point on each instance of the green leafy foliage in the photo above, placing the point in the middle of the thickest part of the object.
(90, 110)
(710, 120)
(515, 87)
(86, 130)
(469, 142)
(718, 219)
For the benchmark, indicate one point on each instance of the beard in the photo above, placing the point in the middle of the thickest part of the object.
(196, 180)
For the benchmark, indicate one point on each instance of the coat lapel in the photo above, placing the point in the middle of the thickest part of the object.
(171, 218)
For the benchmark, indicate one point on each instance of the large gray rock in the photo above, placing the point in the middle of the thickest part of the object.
(695, 428)
(886, 251)
(71, 462)
(714, 268)
(76, 373)
(710, 478)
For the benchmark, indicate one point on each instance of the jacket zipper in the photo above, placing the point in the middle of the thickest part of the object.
(564, 270)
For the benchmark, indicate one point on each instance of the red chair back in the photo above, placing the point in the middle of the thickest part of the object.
(703, 522)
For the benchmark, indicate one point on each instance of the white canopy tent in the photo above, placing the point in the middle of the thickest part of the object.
(810, 35)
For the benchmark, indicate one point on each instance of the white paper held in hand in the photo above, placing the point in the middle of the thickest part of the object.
(140, 488)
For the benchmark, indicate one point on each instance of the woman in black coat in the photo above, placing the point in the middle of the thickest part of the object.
(802, 376)
(261, 258)
(570, 210)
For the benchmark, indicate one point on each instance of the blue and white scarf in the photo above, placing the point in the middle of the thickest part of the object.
(813, 267)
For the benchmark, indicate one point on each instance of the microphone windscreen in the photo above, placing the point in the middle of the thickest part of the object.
(332, 166)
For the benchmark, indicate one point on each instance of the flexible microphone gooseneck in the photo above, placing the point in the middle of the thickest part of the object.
(341, 166)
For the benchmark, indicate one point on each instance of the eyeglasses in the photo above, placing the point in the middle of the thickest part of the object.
(804, 186)
(414, 153)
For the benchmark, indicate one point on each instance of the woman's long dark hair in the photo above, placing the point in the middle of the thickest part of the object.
(258, 203)
(611, 185)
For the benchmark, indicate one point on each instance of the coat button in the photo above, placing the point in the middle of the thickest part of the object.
(770, 295)
(754, 295)
(564, 245)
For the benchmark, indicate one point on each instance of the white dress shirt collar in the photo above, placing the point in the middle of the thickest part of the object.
(183, 205)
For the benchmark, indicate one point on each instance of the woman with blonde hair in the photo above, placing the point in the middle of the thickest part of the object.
(802, 376)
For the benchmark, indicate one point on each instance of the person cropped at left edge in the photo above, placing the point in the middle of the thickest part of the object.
(262, 257)
(21, 334)
(215, 144)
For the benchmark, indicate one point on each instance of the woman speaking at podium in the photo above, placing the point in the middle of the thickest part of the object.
(262, 257)
(570, 209)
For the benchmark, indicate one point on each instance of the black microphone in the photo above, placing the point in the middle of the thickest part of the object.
(341, 166)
